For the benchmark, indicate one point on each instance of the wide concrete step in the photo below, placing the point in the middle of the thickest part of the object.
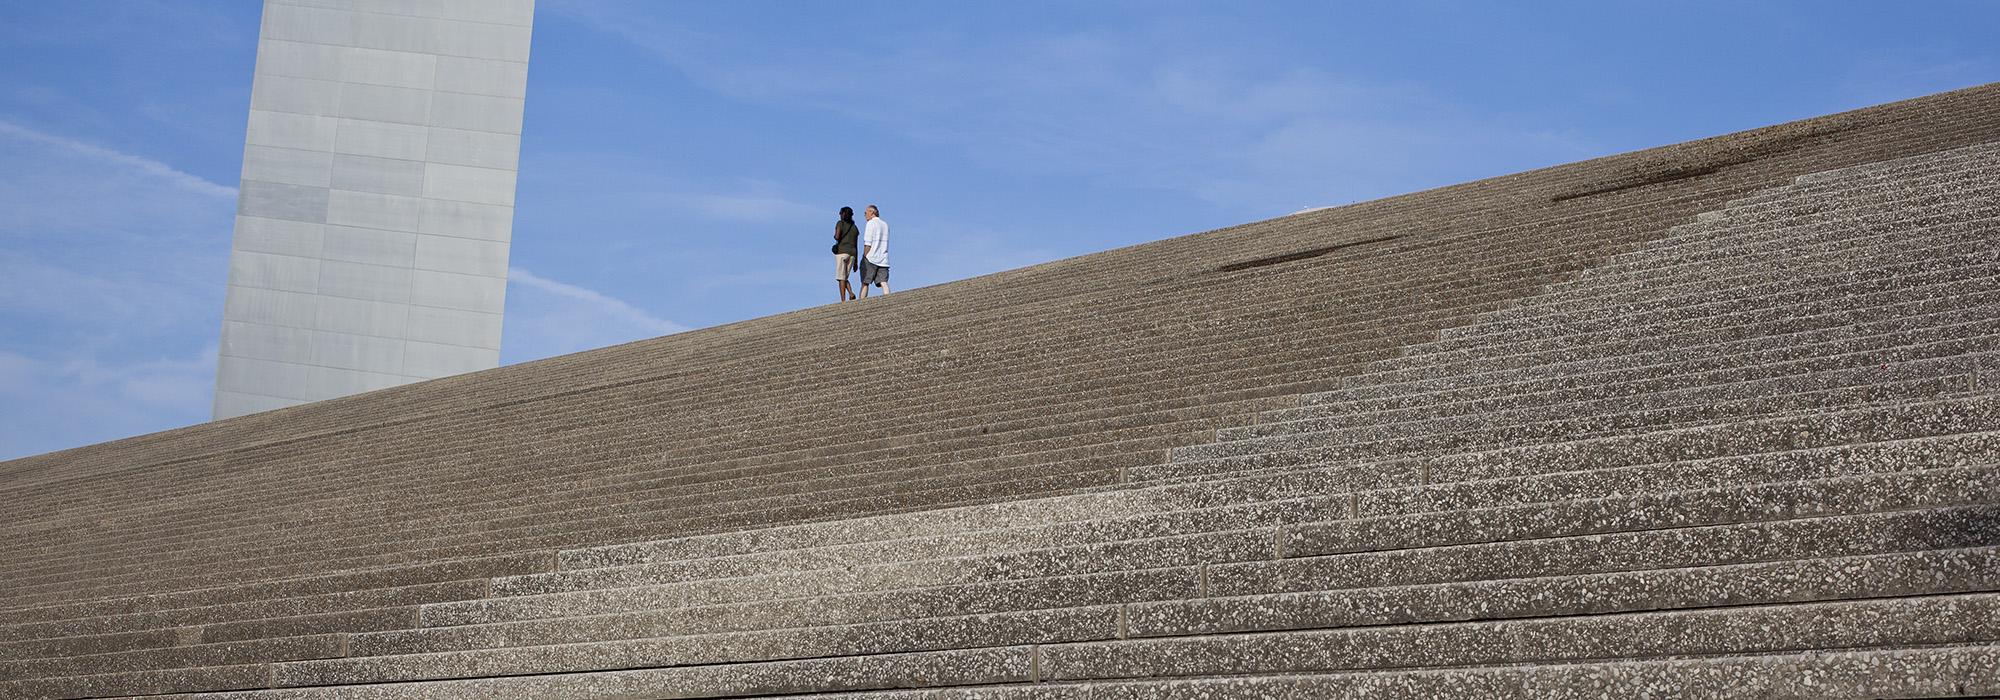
(1815, 322)
(1940, 487)
(1749, 214)
(1789, 471)
(1870, 533)
(1882, 166)
(1958, 670)
(1554, 549)
(1884, 170)
(934, 525)
(1672, 276)
(1770, 277)
(1974, 257)
(1821, 328)
(1926, 573)
(1823, 366)
(1955, 671)
(1283, 513)
(1674, 259)
(1951, 619)
(1109, 435)
(1823, 389)
(1929, 572)
(1242, 499)
(1520, 339)
(1758, 215)
(1718, 374)
(1790, 211)
(209, 623)
(1864, 306)
(342, 583)
(1101, 427)
(884, 499)
(1776, 434)
(1591, 371)
(985, 543)
(1947, 371)
(1376, 489)
(1473, 413)
(1956, 619)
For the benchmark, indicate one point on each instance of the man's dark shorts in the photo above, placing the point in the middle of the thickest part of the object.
(873, 274)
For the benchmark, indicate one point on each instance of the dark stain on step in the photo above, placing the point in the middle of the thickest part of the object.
(1675, 168)
(1300, 255)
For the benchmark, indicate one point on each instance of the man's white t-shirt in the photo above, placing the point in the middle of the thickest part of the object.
(877, 240)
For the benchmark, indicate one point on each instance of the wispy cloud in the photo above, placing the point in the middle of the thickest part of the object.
(115, 267)
(144, 166)
(547, 318)
(748, 208)
(102, 244)
(620, 185)
(628, 313)
(160, 23)
(67, 402)
(1886, 78)
(1221, 124)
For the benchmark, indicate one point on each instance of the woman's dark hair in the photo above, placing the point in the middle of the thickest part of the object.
(847, 213)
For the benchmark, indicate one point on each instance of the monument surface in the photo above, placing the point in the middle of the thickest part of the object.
(377, 198)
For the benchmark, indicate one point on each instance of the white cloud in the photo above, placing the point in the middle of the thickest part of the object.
(970, 253)
(1217, 123)
(60, 403)
(159, 23)
(619, 185)
(114, 268)
(1900, 76)
(547, 318)
(748, 208)
(143, 166)
(107, 244)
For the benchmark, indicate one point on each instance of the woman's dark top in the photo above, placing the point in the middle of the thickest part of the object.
(845, 236)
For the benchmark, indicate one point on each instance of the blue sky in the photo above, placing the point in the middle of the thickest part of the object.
(681, 161)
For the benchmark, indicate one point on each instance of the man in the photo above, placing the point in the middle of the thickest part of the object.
(875, 252)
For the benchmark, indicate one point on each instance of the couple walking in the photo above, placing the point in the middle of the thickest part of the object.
(873, 255)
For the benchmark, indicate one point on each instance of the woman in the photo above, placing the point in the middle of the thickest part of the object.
(845, 237)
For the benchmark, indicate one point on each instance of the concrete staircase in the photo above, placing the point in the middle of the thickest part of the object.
(1704, 435)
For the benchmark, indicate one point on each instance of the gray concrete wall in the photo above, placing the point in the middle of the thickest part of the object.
(377, 198)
